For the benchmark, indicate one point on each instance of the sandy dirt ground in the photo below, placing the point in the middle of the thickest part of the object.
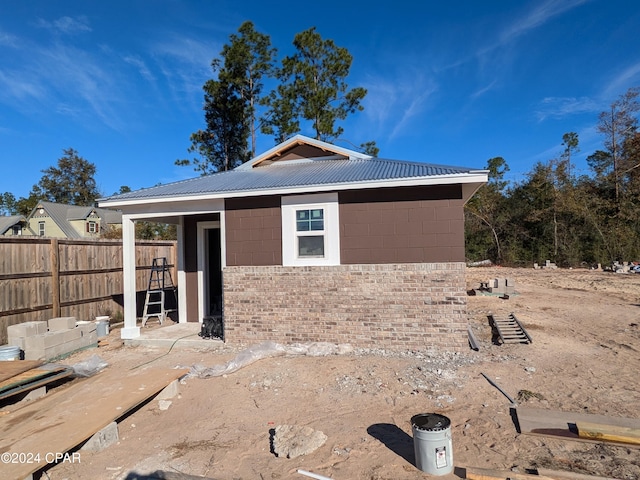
(585, 357)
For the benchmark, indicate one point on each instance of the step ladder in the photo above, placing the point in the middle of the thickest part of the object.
(160, 283)
(509, 329)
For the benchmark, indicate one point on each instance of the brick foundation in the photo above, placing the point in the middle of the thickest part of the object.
(392, 306)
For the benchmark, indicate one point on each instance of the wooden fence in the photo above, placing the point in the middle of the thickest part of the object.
(42, 278)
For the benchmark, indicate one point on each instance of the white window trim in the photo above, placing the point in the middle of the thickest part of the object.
(326, 201)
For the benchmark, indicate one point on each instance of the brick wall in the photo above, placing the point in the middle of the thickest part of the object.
(393, 306)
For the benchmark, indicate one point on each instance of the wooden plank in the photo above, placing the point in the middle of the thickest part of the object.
(473, 473)
(28, 376)
(562, 475)
(16, 367)
(58, 375)
(552, 423)
(66, 418)
(610, 433)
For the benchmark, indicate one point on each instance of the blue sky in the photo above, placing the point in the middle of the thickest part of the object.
(448, 82)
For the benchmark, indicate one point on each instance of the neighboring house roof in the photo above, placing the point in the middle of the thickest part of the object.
(331, 168)
(8, 222)
(63, 214)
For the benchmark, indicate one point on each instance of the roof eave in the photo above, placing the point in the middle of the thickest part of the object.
(475, 177)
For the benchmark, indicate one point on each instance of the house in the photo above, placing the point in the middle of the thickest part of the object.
(313, 242)
(59, 220)
(13, 225)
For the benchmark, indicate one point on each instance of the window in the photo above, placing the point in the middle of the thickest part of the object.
(17, 230)
(92, 227)
(310, 233)
(41, 229)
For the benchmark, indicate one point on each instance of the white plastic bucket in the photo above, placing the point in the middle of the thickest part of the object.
(432, 443)
(9, 353)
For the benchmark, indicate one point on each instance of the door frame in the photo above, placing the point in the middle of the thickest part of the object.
(202, 253)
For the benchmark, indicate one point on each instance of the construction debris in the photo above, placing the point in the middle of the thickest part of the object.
(610, 433)
(513, 402)
(292, 441)
(90, 405)
(502, 287)
(473, 473)
(565, 425)
(55, 338)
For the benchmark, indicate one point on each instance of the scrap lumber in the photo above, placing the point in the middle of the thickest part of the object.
(16, 367)
(32, 379)
(489, 474)
(562, 475)
(163, 475)
(610, 433)
(66, 418)
(537, 421)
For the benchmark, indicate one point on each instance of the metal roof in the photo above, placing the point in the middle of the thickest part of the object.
(62, 214)
(295, 173)
(8, 222)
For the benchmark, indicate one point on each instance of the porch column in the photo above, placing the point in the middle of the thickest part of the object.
(182, 278)
(130, 330)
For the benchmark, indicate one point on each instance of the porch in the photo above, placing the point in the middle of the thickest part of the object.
(173, 335)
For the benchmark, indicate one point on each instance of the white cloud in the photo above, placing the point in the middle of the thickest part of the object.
(481, 91)
(16, 87)
(8, 40)
(560, 107)
(627, 78)
(541, 14)
(397, 101)
(137, 62)
(66, 25)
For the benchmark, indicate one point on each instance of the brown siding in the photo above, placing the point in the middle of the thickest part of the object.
(402, 225)
(397, 307)
(253, 231)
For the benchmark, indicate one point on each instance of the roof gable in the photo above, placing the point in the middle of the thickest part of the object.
(8, 222)
(300, 147)
(62, 215)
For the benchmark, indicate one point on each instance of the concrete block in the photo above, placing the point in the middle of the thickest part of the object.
(61, 323)
(498, 285)
(43, 341)
(35, 354)
(102, 439)
(85, 327)
(27, 329)
(169, 391)
(36, 394)
(71, 334)
(16, 341)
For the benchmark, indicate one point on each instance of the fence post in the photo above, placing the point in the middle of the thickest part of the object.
(55, 278)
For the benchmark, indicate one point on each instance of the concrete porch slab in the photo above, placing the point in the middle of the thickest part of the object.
(178, 335)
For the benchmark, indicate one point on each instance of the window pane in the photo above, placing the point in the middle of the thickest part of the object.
(312, 246)
(307, 220)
